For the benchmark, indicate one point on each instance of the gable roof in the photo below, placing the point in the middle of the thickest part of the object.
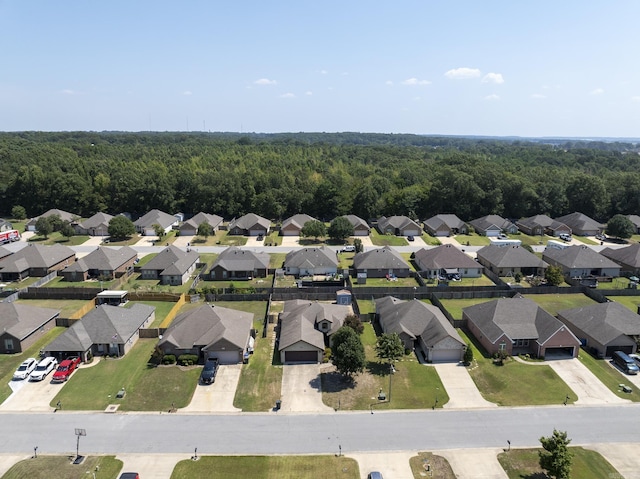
(510, 256)
(450, 221)
(96, 220)
(491, 222)
(297, 221)
(311, 258)
(415, 318)
(357, 222)
(580, 222)
(104, 259)
(541, 220)
(396, 222)
(299, 318)
(64, 216)
(155, 217)
(635, 219)
(379, 258)
(574, 257)
(4, 252)
(207, 325)
(444, 256)
(102, 325)
(248, 221)
(517, 318)
(237, 259)
(197, 220)
(172, 261)
(603, 321)
(36, 256)
(628, 256)
(20, 320)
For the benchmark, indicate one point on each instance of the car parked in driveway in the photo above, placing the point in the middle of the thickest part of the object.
(44, 367)
(65, 368)
(129, 475)
(208, 375)
(23, 371)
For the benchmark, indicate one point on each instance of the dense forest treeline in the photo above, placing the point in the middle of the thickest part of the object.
(322, 174)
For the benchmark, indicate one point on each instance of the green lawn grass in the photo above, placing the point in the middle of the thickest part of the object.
(385, 283)
(19, 225)
(128, 241)
(162, 309)
(610, 377)
(430, 240)
(552, 303)
(59, 282)
(66, 306)
(145, 259)
(631, 302)
(225, 239)
(274, 239)
(276, 260)
(438, 466)
(530, 240)
(455, 306)
(147, 388)
(413, 385)
(515, 383)
(472, 239)
(585, 240)
(525, 463)
(46, 467)
(57, 238)
(25, 283)
(238, 283)
(387, 240)
(267, 467)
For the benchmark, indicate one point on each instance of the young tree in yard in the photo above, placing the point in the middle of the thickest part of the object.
(159, 230)
(67, 230)
(468, 355)
(340, 228)
(621, 227)
(347, 351)
(205, 230)
(389, 347)
(556, 459)
(18, 212)
(314, 229)
(44, 227)
(120, 228)
(353, 321)
(554, 275)
(358, 244)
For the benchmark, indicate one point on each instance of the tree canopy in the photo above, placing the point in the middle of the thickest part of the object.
(121, 227)
(621, 227)
(389, 347)
(347, 351)
(555, 458)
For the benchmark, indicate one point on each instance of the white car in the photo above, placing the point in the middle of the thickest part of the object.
(23, 371)
(44, 367)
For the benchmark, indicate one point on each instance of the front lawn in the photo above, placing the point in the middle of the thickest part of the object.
(45, 467)
(525, 463)
(387, 240)
(147, 388)
(413, 385)
(224, 239)
(472, 239)
(267, 467)
(610, 377)
(385, 283)
(552, 303)
(427, 464)
(514, 383)
(57, 238)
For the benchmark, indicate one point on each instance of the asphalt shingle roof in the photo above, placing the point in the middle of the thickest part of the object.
(574, 257)
(36, 256)
(444, 256)
(510, 256)
(20, 320)
(603, 321)
(380, 258)
(311, 258)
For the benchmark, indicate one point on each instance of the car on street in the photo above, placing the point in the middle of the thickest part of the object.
(65, 368)
(208, 374)
(23, 371)
(44, 367)
(349, 248)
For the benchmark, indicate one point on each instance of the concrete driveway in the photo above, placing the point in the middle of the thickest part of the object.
(585, 385)
(461, 389)
(217, 397)
(31, 396)
(624, 457)
(148, 241)
(181, 241)
(151, 466)
(449, 240)
(301, 390)
(474, 463)
(8, 460)
(290, 241)
(366, 240)
(390, 464)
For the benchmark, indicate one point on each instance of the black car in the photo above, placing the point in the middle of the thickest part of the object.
(208, 375)
(129, 475)
(410, 238)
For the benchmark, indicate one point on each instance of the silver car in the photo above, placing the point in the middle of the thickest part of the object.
(23, 371)
(44, 367)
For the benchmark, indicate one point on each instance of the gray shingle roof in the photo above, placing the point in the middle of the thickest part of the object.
(248, 221)
(20, 320)
(96, 220)
(451, 221)
(172, 260)
(297, 221)
(236, 259)
(155, 217)
(104, 259)
(487, 221)
(36, 256)
(197, 220)
(603, 321)
(628, 256)
(300, 317)
(579, 222)
(510, 256)
(541, 220)
(380, 258)
(396, 222)
(445, 256)
(356, 221)
(574, 257)
(64, 216)
(311, 258)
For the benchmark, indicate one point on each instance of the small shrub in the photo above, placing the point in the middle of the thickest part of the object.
(187, 359)
(327, 355)
(407, 351)
(169, 359)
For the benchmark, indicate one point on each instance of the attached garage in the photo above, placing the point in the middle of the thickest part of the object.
(445, 355)
(226, 357)
(300, 356)
(624, 349)
(560, 352)
(411, 233)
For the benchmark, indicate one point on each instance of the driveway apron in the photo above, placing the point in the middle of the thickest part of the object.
(389, 464)
(301, 389)
(461, 389)
(217, 397)
(475, 463)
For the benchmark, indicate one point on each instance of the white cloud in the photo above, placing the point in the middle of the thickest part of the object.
(492, 97)
(187, 93)
(265, 81)
(415, 81)
(635, 98)
(538, 96)
(388, 82)
(463, 73)
(493, 78)
(287, 95)
(308, 93)
(323, 72)
(597, 91)
(68, 91)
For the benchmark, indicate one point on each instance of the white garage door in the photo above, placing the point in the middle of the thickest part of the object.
(226, 357)
(445, 355)
(411, 233)
(493, 233)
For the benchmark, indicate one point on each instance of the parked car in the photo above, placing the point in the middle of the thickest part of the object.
(565, 237)
(208, 375)
(635, 357)
(65, 368)
(129, 475)
(349, 248)
(23, 371)
(410, 238)
(260, 237)
(44, 367)
(624, 362)
(374, 475)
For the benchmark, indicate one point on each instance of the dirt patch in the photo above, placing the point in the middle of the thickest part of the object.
(341, 392)
(426, 464)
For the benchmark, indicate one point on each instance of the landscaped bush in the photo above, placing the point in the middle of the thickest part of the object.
(327, 355)
(187, 359)
(169, 359)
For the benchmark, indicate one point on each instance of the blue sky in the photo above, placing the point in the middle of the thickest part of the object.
(544, 68)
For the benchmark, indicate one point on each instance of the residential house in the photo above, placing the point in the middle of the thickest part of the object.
(103, 331)
(23, 325)
(445, 260)
(445, 225)
(398, 226)
(518, 325)
(628, 258)
(580, 261)
(311, 261)
(210, 332)
(306, 328)
(4, 253)
(421, 326)
(102, 263)
(242, 264)
(540, 225)
(190, 227)
(604, 327)
(97, 225)
(35, 260)
(5, 225)
(508, 260)
(64, 216)
(581, 224)
(360, 226)
(635, 219)
(171, 266)
(493, 225)
(145, 224)
(293, 225)
(381, 263)
(249, 225)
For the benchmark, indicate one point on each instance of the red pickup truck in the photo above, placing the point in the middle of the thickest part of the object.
(65, 369)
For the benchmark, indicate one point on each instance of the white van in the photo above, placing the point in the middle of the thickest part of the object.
(44, 367)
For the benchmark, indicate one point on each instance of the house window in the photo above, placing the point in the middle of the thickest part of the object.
(324, 326)
(8, 344)
(503, 346)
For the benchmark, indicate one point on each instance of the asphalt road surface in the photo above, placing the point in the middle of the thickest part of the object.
(276, 433)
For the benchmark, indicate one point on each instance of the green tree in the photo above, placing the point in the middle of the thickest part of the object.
(314, 229)
(555, 458)
(121, 227)
(353, 321)
(44, 226)
(340, 228)
(67, 230)
(621, 227)
(347, 351)
(389, 347)
(18, 212)
(159, 230)
(358, 244)
(554, 276)
(205, 229)
(468, 355)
